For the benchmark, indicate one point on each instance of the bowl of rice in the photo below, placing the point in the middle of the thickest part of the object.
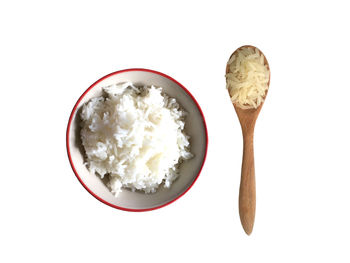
(137, 140)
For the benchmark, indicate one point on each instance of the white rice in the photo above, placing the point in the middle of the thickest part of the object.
(135, 136)
(248, 78)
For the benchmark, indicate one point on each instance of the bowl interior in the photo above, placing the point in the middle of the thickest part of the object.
(189, 170)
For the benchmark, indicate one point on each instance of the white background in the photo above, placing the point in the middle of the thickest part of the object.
(51, 52)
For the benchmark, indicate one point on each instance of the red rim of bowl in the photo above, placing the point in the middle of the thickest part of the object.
(70, 122)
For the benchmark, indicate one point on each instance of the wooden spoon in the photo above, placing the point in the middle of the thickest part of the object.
(247, 197)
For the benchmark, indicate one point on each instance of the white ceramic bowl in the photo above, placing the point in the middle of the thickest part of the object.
(195, 127)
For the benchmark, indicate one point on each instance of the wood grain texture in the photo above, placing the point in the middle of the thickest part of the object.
(247, 196)
(247, 191)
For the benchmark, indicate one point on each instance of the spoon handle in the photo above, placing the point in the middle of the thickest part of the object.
(247, 187)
